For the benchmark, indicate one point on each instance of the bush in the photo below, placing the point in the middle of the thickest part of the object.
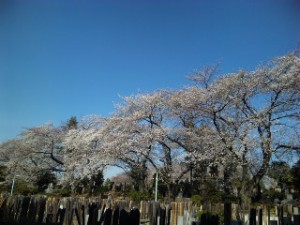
(44, 179)
(23, 188)
(196, 199)
(60, 191)
(137, 196)
(269, 196)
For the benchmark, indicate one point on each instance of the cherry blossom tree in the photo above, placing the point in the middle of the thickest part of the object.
(247, 115)
(37, 149)
(139, 130)
(237, 123)
(84, 152)
(125, 139)
(72, 152)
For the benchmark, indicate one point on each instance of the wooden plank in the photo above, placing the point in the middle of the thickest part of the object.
(162, 216)
(116, 215)
(124, 218)
(107, 216)
(134, 217)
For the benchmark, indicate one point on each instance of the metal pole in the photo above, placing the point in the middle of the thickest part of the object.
(12, 186)
(156, 186)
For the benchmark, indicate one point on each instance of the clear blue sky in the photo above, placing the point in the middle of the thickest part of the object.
(62, 58)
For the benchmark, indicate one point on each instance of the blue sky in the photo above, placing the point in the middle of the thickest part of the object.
(64, 58)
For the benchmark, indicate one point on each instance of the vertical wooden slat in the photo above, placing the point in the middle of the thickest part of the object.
(296, 219)
(252, 217)
(162, 214)
(107, 216)
(260, 216)
(124, 218)
(134, 217)
(116, 215)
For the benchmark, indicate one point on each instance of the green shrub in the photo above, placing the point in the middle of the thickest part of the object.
(64, 192)
(196, 199)
(23, 188)
(137, 196)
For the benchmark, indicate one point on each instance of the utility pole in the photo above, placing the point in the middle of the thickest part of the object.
(12, 185)
(156, 185)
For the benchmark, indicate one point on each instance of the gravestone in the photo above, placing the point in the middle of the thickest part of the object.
(49, 189)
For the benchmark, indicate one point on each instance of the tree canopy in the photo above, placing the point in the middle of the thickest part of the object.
(233, 125)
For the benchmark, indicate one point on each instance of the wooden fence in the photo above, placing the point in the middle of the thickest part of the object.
(42, 210)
